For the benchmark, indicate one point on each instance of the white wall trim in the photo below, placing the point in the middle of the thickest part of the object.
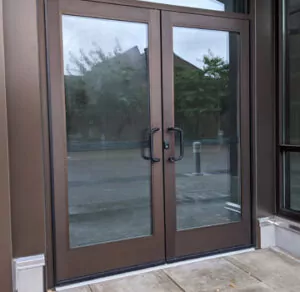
(280, 232)
(28, 274)
(267, 232)
(29, 262)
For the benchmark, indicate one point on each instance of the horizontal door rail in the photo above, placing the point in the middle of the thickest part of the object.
(290, 148)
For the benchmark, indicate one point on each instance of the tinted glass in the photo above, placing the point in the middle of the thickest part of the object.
(224, 5)
(107, 115)
(291, 109)
(292, 86)
(206, 68)
(292, 180)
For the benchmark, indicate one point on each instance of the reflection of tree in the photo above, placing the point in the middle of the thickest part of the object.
(107, 94)
(76, 103)
(114, 93)
(200, 94)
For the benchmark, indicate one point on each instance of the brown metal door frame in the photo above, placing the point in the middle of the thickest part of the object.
(149, 249)
(174, 8)
(79, 262)
(212, 238)
(5, 213)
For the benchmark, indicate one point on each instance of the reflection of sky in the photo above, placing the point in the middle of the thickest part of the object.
(82, 33)
(204, 4)
(189, 43)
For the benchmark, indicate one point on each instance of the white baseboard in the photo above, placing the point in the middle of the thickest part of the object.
(28, 274)
(280, 232)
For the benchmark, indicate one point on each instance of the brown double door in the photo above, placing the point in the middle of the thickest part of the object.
(150, 136)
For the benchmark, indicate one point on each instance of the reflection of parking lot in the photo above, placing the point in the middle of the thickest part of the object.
(109, 193)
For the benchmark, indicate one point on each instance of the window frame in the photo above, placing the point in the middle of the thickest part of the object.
(245, 12)
(283, 147)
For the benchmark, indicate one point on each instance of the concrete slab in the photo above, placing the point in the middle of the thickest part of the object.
(149, 282)
(213, 275)
(253, 288)
(258, 271)
(276, 270)
(79, 289)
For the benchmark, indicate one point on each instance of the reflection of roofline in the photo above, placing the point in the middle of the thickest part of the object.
(186, 62)
(218, 2)
(180, 61)
(132, 48)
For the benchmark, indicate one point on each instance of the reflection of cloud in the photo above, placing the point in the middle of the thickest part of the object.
(83, 33)
(190, 44)
(204, 4)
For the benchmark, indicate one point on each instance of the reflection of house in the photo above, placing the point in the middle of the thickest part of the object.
(116, 93)
(119, 85)
(132, 59)
(130, 62)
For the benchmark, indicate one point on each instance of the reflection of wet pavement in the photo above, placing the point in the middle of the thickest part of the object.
(102, 226)
(295, 192)
(109, 194)
(295, 181)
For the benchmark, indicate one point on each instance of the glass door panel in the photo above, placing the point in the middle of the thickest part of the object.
(107, 115)
(206, 96)
(206, 124)
(120, 202)
(106, 137)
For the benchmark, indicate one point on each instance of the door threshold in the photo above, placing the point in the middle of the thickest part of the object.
(156, 268)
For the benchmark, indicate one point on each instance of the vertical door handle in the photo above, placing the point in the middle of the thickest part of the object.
(180, 132)
(149, 143)
(153, 131)
(145, 144)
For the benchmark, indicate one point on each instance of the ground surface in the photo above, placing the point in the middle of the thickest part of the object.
(263, 270)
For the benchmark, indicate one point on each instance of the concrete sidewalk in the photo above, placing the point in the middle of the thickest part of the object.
(262, 270)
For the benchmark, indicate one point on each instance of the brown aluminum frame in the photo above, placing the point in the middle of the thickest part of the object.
(49, 268)
(211, 238)
(5, 223)
(174, 8)
(263, 87)
(78, 262)
(263, 105)
(133, 4)
(24, 127)
(18, 59)
(284, 148)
